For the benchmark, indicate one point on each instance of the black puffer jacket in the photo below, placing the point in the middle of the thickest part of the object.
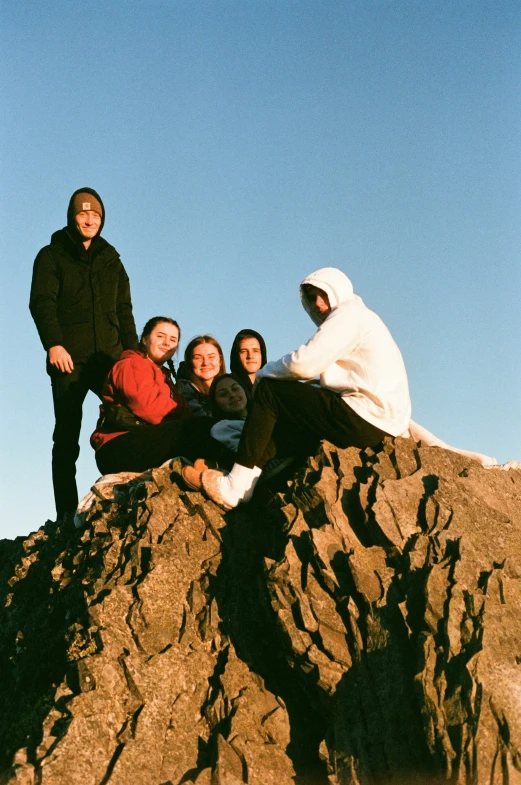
(81, 299)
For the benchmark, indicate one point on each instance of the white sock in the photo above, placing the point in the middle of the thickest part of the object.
(238, 485)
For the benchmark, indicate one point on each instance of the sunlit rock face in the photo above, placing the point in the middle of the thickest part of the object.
(358, 623)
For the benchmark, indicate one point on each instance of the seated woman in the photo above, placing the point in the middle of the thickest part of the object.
(203, 362)
(144, 420)
(248, 355)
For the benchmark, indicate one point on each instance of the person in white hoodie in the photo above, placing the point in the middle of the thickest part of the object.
(362, 394)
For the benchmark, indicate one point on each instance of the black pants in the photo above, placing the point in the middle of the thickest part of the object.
(290, 418)
(149, 446)
(69, 390)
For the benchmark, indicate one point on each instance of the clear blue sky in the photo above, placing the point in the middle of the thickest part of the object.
(240, 145)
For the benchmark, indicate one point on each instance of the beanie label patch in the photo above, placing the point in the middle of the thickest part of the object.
(85, 206)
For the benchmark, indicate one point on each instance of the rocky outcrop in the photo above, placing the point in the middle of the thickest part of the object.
(358, 624)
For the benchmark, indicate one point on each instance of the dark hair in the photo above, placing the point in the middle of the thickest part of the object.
(147, 329)
(199, 384)
(217, 412)
(236, 365)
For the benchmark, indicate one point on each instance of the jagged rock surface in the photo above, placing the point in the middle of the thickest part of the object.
(361, 626)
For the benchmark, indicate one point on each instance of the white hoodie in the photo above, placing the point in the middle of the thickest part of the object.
(354, 354)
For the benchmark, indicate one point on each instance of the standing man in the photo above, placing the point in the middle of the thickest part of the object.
(80, 302)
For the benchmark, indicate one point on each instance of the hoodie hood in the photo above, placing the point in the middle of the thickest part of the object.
(334, 283)
(235, 361)
(71, 224)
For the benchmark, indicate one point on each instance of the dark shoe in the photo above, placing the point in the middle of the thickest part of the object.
(274, 467)
(66, 520)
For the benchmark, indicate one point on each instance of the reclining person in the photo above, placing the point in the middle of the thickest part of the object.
(362, 395)
(229, 409)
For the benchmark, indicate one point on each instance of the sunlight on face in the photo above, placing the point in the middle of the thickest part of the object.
(206, 362)
(88, 223)
(250, 355)
(162, 342)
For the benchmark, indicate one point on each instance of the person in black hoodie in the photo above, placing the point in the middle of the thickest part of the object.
(80, 301)
(247, 356)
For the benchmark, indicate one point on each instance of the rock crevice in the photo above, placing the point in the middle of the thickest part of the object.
(356, 624)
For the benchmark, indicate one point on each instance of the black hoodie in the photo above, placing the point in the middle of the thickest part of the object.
(80, 299)
(236, 366)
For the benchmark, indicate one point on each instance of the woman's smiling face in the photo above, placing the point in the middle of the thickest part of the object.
(206, 362)
(230, 397)
(161, 344)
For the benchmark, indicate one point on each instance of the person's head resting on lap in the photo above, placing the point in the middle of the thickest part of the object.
(229, 400)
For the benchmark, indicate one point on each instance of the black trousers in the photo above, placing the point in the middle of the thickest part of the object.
(149, 446)
(290, 418)
(69, 391)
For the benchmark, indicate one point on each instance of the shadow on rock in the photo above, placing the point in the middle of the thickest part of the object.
(253, 538)
(44, 630)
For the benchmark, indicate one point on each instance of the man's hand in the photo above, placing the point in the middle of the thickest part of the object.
(60, 358)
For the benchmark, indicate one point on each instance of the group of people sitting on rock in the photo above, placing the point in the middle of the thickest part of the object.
(347, 384)
(261, 414)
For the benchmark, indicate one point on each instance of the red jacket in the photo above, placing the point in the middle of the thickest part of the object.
(144, 388)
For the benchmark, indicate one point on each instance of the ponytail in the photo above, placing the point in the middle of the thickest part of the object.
(171, 368)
